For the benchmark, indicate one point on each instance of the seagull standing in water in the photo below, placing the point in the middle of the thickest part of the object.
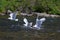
(13, 16)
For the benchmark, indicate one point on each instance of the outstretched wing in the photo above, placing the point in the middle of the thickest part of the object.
(36, 23)
(25, 20)
(11, 16)
(42, 20)
(37, 20)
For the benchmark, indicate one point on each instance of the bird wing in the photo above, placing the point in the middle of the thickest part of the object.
(36, 23)
(25, 20)
(14, 16)
(42, 20)
(37, 20)
(11, 14)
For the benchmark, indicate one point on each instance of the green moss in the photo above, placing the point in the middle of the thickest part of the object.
(36, 5)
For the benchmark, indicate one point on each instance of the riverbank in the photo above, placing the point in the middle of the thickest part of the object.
(41, 14)
(47, 15)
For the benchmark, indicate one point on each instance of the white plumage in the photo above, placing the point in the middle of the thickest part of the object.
(42, 20)
(13, 16)
(39, 23)
(27, 24)
(26, 21)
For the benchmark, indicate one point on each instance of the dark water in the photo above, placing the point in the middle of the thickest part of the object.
(11, 30)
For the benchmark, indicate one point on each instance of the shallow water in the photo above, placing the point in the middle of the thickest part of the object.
(11, 30)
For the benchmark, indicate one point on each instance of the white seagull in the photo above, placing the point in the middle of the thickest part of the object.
(13, 16)
(27, 24)
(39, 23)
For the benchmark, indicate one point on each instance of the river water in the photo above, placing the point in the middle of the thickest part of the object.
(11, 30)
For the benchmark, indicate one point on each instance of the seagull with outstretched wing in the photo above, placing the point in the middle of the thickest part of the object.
(27, 24)
(39, 23)
(13, 16)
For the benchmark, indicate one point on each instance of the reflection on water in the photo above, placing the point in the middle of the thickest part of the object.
(11, 30)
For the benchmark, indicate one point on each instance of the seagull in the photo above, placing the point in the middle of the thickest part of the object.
(36, 26)
(39, 23)
(27, 24)
(13, 16)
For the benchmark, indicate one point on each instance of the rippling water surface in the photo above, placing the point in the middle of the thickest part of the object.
(11, 30)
